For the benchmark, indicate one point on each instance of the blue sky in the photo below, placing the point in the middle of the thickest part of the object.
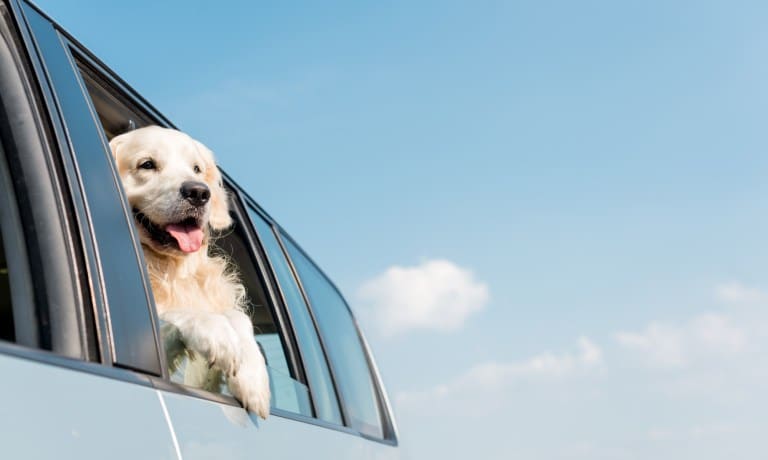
(573, 191)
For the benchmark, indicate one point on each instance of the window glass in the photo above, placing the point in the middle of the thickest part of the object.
(323, 393)
(341, 338)
(6, 309)
(287, 393)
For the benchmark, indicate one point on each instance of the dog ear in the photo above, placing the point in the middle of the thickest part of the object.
(220, 218)
(114, 144)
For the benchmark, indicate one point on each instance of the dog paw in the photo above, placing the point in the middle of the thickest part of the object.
(251, 383)
(212, 336)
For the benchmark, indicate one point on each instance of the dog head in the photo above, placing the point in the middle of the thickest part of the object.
(173, 187)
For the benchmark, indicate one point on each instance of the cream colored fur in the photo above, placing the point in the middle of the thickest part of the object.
(197, 294)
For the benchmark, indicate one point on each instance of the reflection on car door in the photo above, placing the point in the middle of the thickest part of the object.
(56, 412)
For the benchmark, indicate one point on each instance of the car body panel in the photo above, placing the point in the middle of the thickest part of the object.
(51, 411)
(207, 429)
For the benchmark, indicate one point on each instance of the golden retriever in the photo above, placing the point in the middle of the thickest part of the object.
(178, 199)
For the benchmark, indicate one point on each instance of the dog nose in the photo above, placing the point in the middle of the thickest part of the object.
(197, 193)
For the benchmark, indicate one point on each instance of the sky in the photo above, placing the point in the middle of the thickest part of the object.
(549, 216)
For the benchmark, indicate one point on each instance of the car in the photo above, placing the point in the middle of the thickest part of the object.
(81, 354)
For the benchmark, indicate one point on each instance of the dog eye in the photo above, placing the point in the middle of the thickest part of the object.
(197, 169)
(149, 164)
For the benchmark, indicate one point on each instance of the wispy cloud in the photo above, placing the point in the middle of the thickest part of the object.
(674, 345)
(437, 294)
(735, 292)
(704, 337)
(493, 376)
(701, 388)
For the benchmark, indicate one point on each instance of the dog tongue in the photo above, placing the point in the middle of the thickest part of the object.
(189, 237)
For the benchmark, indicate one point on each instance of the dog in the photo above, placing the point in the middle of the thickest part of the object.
(179, 203)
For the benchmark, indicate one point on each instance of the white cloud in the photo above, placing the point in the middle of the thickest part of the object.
(591, 354)
(717, 332)
(705, 337)
(659, 341)
(670, 345)
(494, 375)
(437, 294)
(735, 292)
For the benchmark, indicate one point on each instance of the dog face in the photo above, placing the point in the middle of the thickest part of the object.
(173, 187)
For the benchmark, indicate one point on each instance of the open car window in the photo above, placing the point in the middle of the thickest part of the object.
(119, 113)
(288, 393)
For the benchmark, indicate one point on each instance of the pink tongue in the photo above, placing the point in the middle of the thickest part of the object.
(190, 238)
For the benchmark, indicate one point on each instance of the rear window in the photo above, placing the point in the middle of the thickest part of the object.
(348, 358)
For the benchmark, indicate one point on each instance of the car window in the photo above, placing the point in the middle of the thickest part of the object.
(287, 392)
(119, 113)
(323, 393)
(348, 358)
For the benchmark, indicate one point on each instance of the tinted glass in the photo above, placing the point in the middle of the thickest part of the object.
(6, 310)
(341, 338)
(19, 320)
(323, 393)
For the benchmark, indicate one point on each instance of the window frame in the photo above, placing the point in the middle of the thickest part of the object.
(281, 315)
(250, 202)
(389, 429)
(279, 232)
(274, 300)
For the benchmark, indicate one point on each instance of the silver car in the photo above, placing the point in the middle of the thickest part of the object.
(82, 360)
